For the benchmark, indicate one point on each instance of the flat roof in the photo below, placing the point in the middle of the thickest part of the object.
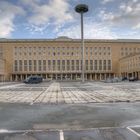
(72, 40)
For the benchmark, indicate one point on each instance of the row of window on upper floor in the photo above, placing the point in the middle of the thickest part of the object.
(130, 48)
(60, 48)
(61, 53)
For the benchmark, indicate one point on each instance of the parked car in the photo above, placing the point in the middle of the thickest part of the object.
(133, 79)
(124, 78)
(108, 80)
(33, 80)
(113, 80)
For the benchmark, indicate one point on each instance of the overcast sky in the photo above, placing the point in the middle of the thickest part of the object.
(106, 19)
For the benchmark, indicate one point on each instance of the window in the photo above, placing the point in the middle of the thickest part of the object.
(49, 65)
(63, 65)
(86, 64)
(30, 65)
(20, 65)
(104, 64)
(95, 64)
(16, 65)
(68, 65)
(100, 64)
(54, 65)
(39, 65)
(77, 64)
(72, 64)
(44, 65)
(91, 64)
(25, 65)
(109, 64)
(58, 65)
(35, 65)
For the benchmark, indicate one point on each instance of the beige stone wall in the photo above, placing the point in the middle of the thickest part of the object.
(130, 65)
(2, 67)
(68, 50)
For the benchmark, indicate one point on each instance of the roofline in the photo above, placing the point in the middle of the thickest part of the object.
(73, 40)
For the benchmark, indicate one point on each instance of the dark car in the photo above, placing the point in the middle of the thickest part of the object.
(124, 79)
(33, 80)
(133, 79)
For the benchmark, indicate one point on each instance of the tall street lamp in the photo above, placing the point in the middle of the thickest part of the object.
(82, 8)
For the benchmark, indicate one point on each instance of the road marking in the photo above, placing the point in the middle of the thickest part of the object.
(61, 135)
(133, 131)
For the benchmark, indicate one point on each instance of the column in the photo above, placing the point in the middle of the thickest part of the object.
(21, 78)
(100, 76)
(90, 77)
(76, 76)
(95, 76)
(16, 78)
(85, 76)
(105, 76)
(11, 78)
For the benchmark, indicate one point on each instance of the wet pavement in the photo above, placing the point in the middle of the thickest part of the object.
(93, 134)
(66, 116)
(70, 111)
(101, 134)
(30, 136)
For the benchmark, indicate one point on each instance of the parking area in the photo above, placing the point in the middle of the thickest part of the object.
(92, 134)
(94, 121)
(70, 92)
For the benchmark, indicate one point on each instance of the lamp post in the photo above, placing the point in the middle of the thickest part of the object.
(82, 8)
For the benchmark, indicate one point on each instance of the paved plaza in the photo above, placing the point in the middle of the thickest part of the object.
(70, 111)
(119, 121)
(92, 134)
(70, 92)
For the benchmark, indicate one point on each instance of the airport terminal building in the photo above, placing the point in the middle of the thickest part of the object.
(61, 58)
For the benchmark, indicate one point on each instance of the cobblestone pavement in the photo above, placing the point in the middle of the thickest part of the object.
(70, 92)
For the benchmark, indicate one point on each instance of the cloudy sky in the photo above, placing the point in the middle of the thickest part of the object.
(106, 19)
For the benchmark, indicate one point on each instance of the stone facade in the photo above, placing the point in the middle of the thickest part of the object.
(60, 59)
(130, 66)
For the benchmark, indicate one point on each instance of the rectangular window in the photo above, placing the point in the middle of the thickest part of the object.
(20, 65)
(25, 65)
(39, 65)
(68, 65)
(58, 65)
(104, 64)
(30, 65)
(35, 65)
(49, 65)
(53, 65)
(16, 65)
(63, 65)
(95, 65)
(77, 65)
(86, 64)
(72, 64)
(91, 64)
(100, 64)
(109, 64)
(44, 65)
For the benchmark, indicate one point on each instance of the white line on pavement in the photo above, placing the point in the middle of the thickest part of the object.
(133, 131)
(61, 135)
